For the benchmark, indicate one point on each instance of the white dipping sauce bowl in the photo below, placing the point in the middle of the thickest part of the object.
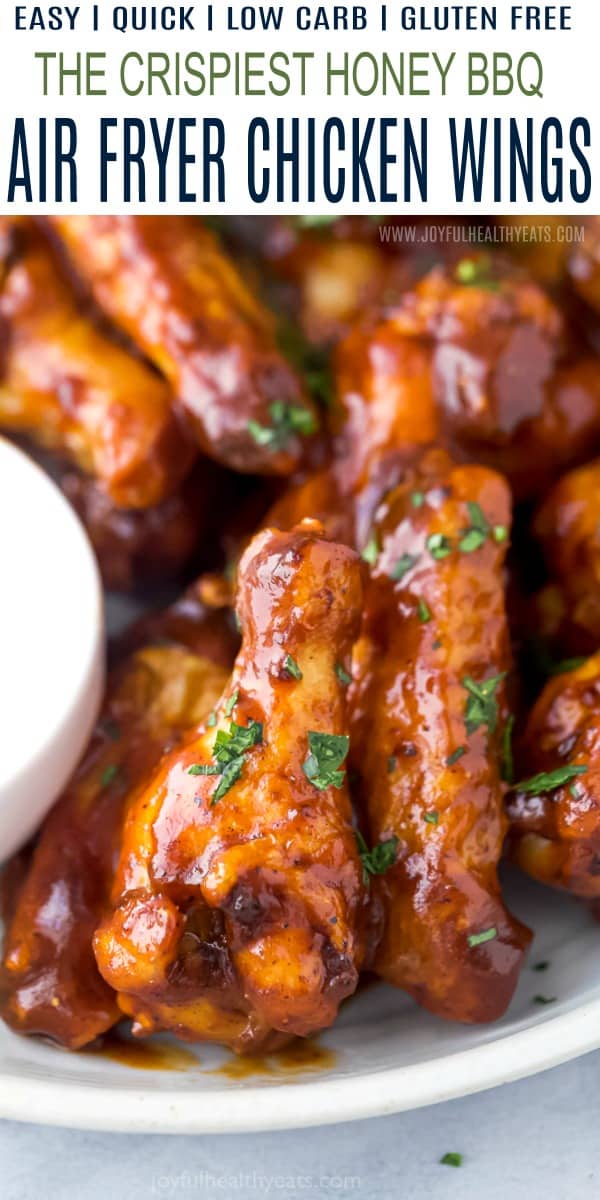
(51, 645)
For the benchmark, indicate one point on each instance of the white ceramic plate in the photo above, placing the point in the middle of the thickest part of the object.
(386, 1054)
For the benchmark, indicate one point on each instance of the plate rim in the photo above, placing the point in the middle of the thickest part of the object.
(313, 1102)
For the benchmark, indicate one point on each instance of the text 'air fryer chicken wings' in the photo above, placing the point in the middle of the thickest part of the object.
(50, 984)
(65, 384)
(430, 714)
(170, 286)
(247, 828)
(479, 359)
(555, 810)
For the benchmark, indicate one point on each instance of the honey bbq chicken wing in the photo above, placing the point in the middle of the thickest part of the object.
(567, 526)
(479, 359)
(68, 386)
(171, 287)
(429, 717)
(251, 819)
(554, 810)
(49, 981)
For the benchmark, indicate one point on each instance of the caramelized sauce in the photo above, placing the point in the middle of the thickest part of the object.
(152, 1055)
(301, 1055)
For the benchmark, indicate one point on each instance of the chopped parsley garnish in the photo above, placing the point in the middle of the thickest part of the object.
(476, 272)
(231, 703)
(486, 935)
(423, 612)
(287, 420)
(109, 775)
(229, 751)
(437, 645)
(327, 753)
(439, 546)
(403, 566)
(342, 674)
(417, 499)
(292, 667)
(370, 553)
(211, 720)
(540, 966)
(451, 1159)
(431, 818)
(456, 755)
(547, 781)
(478, 530)
(378, 860)
(507, 765)
(500, 533)
(392, 764)
(544, 1000)
(482, 707)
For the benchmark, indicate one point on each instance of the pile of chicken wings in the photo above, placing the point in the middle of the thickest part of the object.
(355, 482)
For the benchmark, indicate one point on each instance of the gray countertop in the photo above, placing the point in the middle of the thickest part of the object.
(539, 1138)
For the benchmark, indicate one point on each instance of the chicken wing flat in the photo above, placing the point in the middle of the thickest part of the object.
(555, 811)
(138, 546)
(49, 983)
(251, 821)
(568, 528)
(170, 286)
(66, 385)
(429, 716)
(477, 358)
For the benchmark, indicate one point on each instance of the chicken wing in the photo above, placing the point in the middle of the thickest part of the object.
(252, 819)
(568, 528)
(429, 715)
(555, 811)
(66, 385)
(49, 981)
(478, 359)
(170, 286)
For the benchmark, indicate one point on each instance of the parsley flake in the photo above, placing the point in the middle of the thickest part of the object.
(403, 566)
(287, 420)
(544, 1000)
(211, 720)
(540, 966)
(486, 935)
(417, 499)
(342, 674)
(423, 612)
(476, 272)
(327, 753)
(392, 764)
(456, 755)
(231, 703)
(439, 546)
(370, 553)
(451, 1159)
(500, 533)
(482, 707)
(229, 750)
(292, 667)
(547, 781)
(378, 860)
(431, 818)
(109, 775)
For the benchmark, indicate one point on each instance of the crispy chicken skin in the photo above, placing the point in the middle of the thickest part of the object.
(555, 833)
(139, 546)
(50, 984)
(171, 287)
(477, 359)
(568, 527)
(66, 385)
(271, 853)
(428, 753)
